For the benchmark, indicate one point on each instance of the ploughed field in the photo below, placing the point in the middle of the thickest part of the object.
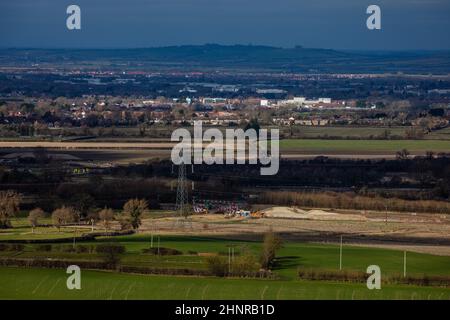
(126, 152)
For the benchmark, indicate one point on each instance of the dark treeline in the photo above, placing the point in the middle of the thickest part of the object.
(52, 185)
(320, 171)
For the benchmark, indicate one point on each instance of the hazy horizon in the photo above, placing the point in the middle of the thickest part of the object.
(224, 45)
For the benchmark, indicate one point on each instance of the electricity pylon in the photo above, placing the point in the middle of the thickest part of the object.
(182, 206)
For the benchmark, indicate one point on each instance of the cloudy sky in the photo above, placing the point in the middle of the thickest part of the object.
(338, 24)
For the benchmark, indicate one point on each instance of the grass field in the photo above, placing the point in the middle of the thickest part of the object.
(440, 134)
(163, 133)
(51, 284)
(361, 132)
(314, 146)
(34, 283)
(292, 256)
(21, 229)
(308, 255)
(345, 132)
(358, 146)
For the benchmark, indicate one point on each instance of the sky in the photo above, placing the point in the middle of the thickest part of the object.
(335, 24)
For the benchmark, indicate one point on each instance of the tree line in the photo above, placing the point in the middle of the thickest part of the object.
(130, 217)
(349, 200)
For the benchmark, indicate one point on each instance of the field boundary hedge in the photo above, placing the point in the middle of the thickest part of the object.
(99, 265)
(357, 276)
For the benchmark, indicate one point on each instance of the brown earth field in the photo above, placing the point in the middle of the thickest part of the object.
(424, 233)
(137, 151)
(99, 156)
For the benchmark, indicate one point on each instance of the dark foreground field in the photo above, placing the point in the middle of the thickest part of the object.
(51, 284)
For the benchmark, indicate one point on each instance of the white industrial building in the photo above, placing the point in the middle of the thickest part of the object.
(300, 101)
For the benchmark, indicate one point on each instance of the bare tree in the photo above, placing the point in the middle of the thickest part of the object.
(132, 213)
(34, 216)
(92, 217)
(402, 154)
(9, 206)
(272, 242)
(106, 215)
(63, 216)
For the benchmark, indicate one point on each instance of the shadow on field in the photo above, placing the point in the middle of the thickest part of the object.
(287, 262)
(171, 239)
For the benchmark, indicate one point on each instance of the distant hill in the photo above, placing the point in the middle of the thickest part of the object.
(296, 59)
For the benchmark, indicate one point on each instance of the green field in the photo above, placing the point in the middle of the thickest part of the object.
(21, 229)
(360, 132)
(317, 146)
(345, 132)
(50, 284)
(307, 255)
(292, 256)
